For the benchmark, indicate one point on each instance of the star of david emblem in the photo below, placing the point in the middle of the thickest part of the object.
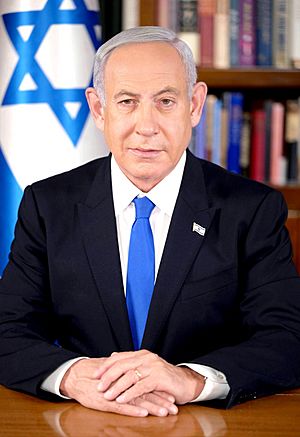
(68, 104)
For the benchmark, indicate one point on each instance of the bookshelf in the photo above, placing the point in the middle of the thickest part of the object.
(249, 79)
(254, 81)
(266, 82)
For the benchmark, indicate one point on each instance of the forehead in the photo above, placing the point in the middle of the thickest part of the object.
(143, 62)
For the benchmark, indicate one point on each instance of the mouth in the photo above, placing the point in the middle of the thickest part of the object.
(145, 153)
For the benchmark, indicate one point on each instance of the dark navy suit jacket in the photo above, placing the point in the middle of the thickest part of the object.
(229, 299)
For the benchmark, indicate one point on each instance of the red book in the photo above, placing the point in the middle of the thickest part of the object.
(206, 12)
(258, 141)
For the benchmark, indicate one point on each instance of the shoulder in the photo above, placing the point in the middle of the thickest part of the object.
(74, 183)
(226, 188)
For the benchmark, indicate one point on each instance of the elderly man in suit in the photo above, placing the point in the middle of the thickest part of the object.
(134, 312)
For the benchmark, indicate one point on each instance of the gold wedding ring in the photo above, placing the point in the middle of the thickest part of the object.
(138, 374)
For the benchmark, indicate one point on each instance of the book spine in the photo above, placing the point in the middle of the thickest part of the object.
(246, 33)
(200, 135)
(257, 158)
(210, 107)
(245, 145)
(294, 33)
(278, 167)
(268, 127)
(162, 13)
(188, 26)
(206, 12)
(264, 32)
(280, 34)
(292, 139)
(221, 35)
(234, 20)
(216, 137)
(234, 102)
(224, 135)
(130, 14)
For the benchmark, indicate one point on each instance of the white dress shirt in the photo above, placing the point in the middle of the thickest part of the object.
(164, 196)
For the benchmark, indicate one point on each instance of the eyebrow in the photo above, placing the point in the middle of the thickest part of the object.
(124, 92)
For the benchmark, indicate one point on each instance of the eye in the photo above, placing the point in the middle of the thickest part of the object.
(167, 103)
(127, 102)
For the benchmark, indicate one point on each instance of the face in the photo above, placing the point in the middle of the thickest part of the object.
(147, 119)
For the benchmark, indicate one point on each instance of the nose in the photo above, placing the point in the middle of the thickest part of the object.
(146, 121)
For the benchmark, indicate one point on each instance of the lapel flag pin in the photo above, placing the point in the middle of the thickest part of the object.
(199, 229)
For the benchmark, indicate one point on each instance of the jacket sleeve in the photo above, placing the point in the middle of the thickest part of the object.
(28, 348)
(267, 357)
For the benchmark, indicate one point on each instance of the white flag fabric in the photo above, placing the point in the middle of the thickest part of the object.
(47, 50)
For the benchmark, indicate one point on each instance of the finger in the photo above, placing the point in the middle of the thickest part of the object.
(120, 385)
(160, 402)
(116, 357)
(152, 408)
(121, 368)
(128, 410)
(139, 389)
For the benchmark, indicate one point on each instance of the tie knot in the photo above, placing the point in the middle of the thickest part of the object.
(143, 207)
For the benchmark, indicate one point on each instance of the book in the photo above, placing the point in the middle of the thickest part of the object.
(221, 58)
(224, 135)
(280, 34)
(294, 33)
(234, 103)
(216, 134)
(130, 13)
(263, 14)
(277, 159)
(200, 135)
(206, 13)
(210, 108)
(246, 33)
(245, 144)
(167, 14)
(258, 138)
(268, 105)
(234, 24)
(188, 26)
(292, 139)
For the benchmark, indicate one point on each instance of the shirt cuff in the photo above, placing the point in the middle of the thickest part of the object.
(215, 387)
(52, 382)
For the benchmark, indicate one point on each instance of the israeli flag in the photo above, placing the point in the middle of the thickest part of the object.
(46, 51)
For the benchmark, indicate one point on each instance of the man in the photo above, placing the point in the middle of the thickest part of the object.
(224, 319)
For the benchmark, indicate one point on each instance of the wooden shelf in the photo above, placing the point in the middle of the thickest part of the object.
(253, 78)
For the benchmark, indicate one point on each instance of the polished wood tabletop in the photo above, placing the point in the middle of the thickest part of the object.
(26, 416)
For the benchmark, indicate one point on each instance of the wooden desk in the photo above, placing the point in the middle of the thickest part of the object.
(25, 416)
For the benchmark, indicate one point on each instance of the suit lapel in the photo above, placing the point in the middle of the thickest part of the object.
(97, 220)
(182, 246)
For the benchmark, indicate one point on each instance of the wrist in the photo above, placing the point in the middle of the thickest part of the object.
(196, 383)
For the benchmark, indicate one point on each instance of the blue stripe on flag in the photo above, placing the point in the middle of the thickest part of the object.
(10, 196)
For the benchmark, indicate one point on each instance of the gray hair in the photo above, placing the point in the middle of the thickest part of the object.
(140, 35)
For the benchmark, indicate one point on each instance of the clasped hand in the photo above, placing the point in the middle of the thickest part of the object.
(131, 383)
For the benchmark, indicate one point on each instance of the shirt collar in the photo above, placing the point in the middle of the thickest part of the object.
(163, 195)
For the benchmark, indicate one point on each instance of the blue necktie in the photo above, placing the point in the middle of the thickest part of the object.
(140, 271)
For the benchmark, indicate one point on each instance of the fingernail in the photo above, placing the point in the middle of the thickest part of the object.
(100, 386)
(108, 395)
(163, 412)
(121, 399)
(143, 413)
(173, 409)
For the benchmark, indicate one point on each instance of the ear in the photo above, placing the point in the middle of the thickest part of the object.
(197, 102)
(96, 107)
